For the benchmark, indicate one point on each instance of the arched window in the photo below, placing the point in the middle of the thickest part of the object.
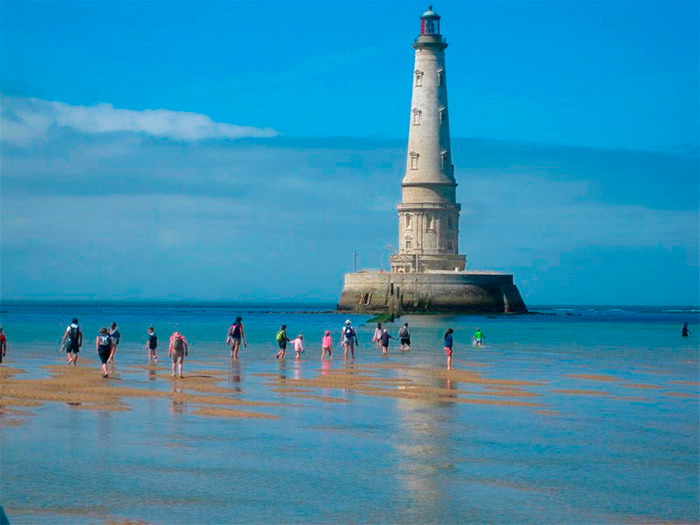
(443, 156)
(407, 221)
(429, 222)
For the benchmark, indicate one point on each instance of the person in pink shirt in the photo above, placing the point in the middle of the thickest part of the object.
(298, 345)
(327, 345)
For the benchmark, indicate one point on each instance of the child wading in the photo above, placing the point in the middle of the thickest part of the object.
(177, 352)
(104, 344)
(449, 343)
(385, 341)
(326, 345)
(298, 345)
(151, 346)
(282, 341)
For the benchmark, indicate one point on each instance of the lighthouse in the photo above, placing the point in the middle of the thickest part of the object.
(429, 212)
(428, 274)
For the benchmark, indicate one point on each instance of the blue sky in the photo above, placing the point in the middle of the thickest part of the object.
(244, 150)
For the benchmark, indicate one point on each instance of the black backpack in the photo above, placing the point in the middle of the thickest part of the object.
(73, 337)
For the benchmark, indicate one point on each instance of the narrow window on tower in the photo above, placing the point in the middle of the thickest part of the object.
(441, 77)
(416, 117)
(408, 221)
(449, 245)
(414, 160)
(419, 78)
(443, 115)
(429, 222)
(408, 245)
(444, 160)
(449, 222)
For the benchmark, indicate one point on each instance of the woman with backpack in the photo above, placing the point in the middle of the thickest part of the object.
(348, 338)
(104, 344)
(177, 352)
(235, 336)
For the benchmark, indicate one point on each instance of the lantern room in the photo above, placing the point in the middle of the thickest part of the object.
(430, 22)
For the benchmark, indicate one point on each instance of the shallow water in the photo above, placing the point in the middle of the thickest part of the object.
(614, 435)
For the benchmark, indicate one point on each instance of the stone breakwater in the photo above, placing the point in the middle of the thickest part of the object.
(431, 292)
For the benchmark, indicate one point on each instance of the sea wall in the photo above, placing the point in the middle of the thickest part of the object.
(456, 292)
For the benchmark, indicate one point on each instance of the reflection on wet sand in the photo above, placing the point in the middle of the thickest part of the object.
(175, 404)
(235, 376)
(425, 443)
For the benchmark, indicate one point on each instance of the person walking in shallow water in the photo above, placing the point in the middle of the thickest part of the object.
(326, 345)
(685, 332)
(377, 337)
(3, 344)
(151, 346)
(447, 346)
(104, 344)
(478, 337)
(405, 337)
(348, 338)
(177, 350)
(72, 341)
(282, 341)
(235, 336)
(116, 336)
(385, 341)
(298, 343)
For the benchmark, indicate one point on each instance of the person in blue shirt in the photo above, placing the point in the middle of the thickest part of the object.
(449, 342)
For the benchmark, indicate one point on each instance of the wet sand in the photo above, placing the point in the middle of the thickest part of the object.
(82, 388)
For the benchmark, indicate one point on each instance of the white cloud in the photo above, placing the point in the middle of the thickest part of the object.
(23, 120)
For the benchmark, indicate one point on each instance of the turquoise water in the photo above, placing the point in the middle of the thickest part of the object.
(628, 455)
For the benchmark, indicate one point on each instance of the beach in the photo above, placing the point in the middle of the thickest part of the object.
(580, 414)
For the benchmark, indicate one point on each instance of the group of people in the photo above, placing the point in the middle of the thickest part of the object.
(107, 342)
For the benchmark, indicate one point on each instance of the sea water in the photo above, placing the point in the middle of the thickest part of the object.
(629, 454)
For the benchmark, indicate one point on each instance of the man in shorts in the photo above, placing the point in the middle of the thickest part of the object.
(72, 341)
(405, 337)
(116, 336)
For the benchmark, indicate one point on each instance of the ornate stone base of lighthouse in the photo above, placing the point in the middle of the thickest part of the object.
(430, 292)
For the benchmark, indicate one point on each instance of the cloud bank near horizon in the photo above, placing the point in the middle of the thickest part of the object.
(124, 215)
(24, 120)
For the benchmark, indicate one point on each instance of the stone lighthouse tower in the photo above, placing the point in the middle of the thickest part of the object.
(427, 272)
(428, 212)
